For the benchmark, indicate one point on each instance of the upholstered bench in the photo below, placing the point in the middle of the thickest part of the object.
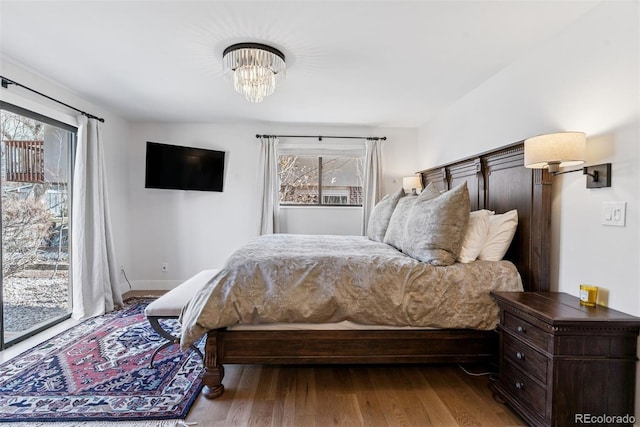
(169, 306)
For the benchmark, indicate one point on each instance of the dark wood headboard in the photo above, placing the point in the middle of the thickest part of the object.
(498, 181)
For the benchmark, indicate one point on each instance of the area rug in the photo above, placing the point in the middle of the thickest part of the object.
(99, 371)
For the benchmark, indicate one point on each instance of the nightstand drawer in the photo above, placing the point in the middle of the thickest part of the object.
(525, 357)
(523, 388)
(526, 331)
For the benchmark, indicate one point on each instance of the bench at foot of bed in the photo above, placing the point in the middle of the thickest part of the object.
(169, 306)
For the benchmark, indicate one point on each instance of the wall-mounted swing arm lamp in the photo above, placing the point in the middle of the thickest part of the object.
(558, 150)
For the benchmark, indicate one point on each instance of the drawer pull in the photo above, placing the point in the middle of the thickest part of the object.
(520, 385)
(519, 356)
(521, 329)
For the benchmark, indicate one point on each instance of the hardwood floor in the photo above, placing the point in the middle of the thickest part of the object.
(371, 396)
(442, 396)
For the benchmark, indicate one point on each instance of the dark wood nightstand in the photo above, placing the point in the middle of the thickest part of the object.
(561, 362)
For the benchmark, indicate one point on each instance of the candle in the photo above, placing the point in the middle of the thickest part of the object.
(588, 295)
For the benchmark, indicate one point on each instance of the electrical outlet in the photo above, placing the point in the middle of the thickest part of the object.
(164, 267)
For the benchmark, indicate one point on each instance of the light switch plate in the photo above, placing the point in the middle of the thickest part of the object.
(614, 213)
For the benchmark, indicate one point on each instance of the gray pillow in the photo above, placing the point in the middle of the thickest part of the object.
(398, 221)
(395, 231)
(381, 214)
(436, 227)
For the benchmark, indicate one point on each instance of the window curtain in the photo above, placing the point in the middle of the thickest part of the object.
(95, 276)
(269, 222)
(372, 179)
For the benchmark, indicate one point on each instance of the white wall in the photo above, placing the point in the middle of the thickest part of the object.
(339, 220)
(586, 79)
(192, 230)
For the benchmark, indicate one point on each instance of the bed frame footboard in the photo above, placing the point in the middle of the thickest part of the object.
(342, 347)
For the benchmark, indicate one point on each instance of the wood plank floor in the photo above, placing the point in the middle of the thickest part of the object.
(441, 396)
(341, 395)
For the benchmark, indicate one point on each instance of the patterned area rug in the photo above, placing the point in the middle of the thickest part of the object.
(99, 371)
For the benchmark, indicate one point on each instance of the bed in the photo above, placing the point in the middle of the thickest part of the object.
(496, 180)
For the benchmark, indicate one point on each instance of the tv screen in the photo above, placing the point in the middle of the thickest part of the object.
(183, 168)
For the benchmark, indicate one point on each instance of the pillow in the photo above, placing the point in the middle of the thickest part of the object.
(381, 214)
(502, 228)
(476, 236)
(435, 227)
(430, 192)
(395, 231)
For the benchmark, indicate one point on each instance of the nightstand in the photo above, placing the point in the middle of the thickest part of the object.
(564, 364)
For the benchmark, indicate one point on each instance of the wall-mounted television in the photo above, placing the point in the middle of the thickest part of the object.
(183, 168)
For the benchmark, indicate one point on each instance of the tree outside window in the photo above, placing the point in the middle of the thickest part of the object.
(320, 180)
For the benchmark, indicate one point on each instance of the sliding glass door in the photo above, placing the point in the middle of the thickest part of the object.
(36, 195)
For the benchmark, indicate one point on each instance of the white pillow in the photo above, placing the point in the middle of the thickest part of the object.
(476, 236)
(502, 228)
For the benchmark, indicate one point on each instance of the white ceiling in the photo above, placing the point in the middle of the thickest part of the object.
(378, 63)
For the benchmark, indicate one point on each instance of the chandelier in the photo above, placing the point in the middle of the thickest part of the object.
(255, 68)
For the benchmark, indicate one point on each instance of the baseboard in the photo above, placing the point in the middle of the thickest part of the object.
(150, 285)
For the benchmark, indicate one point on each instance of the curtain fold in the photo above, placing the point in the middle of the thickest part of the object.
(372, 179)
(95, 275)
(269, 222)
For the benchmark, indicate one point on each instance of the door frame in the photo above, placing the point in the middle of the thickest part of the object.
(73, 130)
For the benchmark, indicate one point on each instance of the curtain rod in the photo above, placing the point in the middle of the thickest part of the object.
(321, 137)
(6, 82)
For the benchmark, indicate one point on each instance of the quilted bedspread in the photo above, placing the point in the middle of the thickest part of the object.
(326, 279)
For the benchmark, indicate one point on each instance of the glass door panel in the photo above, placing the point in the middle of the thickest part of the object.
(35, 177)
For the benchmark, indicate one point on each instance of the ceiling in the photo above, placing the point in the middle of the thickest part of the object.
(370, 63)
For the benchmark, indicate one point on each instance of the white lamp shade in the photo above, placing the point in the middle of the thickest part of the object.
(555, 150)
(411, 182)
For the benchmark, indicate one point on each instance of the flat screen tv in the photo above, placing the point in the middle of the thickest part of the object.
(183, 168)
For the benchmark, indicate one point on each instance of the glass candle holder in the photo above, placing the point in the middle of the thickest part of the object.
(588, 295)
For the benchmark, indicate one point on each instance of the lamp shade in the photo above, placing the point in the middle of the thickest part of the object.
(555, 150)
(410, 183)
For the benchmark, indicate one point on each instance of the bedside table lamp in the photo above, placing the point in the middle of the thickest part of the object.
(559, 150)
(411, 184)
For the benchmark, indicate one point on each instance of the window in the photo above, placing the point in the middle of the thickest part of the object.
(320, 180)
